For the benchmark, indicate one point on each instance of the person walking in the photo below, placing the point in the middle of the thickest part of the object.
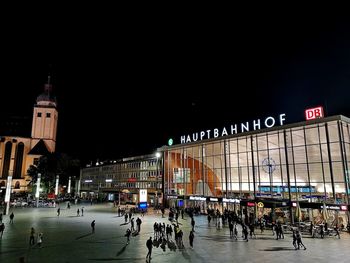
(149, 245)
(78, 212)
(191, 237)
(12, 216)
(93, 226)
(299, 241)
(40, 239)
(82, 211)
(31, 237)
(127, 234)
(58, 211)
(193, 223)
(0, 218)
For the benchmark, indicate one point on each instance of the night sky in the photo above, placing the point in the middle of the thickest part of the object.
(123, 89)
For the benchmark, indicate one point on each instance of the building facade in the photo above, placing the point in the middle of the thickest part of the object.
(17, 153)
(129, 180)
(287, 173)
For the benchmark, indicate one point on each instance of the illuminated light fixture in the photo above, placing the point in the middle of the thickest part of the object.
(108, 180)
(157, 154)
(88, 181)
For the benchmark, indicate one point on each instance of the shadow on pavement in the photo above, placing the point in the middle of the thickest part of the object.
(84, 236)
(278, 249)
(122, 250)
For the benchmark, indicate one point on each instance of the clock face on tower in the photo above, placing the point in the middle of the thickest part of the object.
(268, 165)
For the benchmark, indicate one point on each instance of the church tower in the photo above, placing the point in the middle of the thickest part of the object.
(44, 126)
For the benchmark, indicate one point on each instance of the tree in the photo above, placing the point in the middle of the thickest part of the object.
(51, 165)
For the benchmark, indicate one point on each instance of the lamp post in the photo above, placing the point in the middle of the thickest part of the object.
(157, 176)
(8, 193)
(37, 193)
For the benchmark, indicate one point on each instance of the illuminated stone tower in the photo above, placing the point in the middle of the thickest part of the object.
(44, 126)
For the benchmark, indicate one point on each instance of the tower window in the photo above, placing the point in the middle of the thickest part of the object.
(39, 114)
(48, 114)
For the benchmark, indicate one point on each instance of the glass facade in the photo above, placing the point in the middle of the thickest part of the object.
(302, 162)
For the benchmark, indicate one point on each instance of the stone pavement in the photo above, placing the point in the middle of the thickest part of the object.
(68, 238)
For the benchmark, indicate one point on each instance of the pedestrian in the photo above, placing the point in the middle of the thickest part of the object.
(149, 245)
(31, 237)
(132, 225)
(0, 218)
(138, 223)
(126, 218)
(12, 216)
(78, 212)
(127, 234)
(2, 228)
(191, 237)
(193, 223)
(82, 211)
(58, 211)
(93, 226)
(40, 239)
(299, 241)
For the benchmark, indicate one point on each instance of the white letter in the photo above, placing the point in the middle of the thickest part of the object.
(195, 138)
(234, 130)
(224, 132)
(282, 119)
(216, 133)
(183, 138)
(208, 131)
(188, 139)
(272, 124)
(202, 134)
(245, 127)
(256, 124)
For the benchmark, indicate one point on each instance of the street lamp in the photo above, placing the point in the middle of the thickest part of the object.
(157, 176)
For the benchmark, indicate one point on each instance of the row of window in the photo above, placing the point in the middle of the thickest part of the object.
(48, 114)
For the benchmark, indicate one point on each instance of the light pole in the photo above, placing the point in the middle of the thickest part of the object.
(157, 176)
(37, 193)
(8, 193)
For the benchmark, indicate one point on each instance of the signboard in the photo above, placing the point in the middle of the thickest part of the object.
(213, 199)
(258, 124)
(198, 198)
(230, 200)
(143, 205)
(143, 195)
(314, 113)
(260, 204)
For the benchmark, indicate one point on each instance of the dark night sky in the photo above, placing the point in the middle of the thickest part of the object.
(124, 88)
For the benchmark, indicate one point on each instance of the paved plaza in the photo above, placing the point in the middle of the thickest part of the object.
(68, 238)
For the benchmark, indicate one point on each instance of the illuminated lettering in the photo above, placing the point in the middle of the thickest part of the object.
(216, 133)
(272, 123)
(224, 132)
(256, 124)
(234, 130)
(245, 127)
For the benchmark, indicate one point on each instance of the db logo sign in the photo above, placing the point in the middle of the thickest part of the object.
(314, 113)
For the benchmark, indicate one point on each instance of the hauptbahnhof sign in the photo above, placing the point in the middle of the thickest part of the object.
(258, 124)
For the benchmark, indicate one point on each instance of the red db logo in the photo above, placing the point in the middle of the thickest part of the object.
(314, 113)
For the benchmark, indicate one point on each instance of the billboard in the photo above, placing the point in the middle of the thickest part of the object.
(143, 195)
